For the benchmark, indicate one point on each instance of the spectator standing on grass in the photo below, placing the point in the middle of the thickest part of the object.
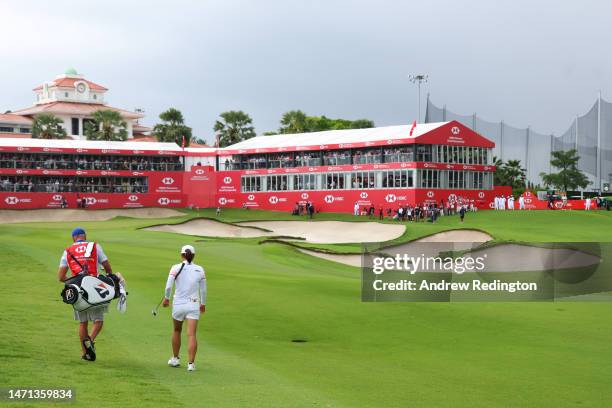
(218, 212)
(310, 209)
(462, 213)
(381, 214)
(587, 204)
(521, 203)
(356, 208)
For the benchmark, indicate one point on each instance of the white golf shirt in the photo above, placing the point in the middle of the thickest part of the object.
(190, 284)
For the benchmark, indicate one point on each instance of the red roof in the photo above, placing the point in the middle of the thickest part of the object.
(69, 82)
(12, 118)
(77, 108)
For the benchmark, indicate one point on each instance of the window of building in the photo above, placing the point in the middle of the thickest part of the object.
(277, 183)
(456, 179)
(66, 94)
(305, 182)
(75, 126)
(6, 129)
(333, 181)
(250, 183)
(430, 178)
(25, 130)
(423, 153)
(363, 179)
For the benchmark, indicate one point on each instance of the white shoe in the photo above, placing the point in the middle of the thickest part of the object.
(174, 362)
(191, 367)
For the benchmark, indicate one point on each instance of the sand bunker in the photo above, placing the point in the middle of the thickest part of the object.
(68, 215)
(521, 258)
(320, 232)
(452, 240)
(332, 232)
(211, 228)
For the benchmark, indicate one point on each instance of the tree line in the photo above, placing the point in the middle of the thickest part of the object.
(231, 127)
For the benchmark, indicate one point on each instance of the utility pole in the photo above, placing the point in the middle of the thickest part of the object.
(418, 79)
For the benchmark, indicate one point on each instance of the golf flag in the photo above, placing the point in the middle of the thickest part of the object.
(413, 127)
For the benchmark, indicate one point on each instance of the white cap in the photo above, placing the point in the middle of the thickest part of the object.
(186, 248)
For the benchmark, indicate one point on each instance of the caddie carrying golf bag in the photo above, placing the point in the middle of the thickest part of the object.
(84, 291)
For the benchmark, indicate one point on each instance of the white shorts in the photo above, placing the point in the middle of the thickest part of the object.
(95, 314)
(184, 311)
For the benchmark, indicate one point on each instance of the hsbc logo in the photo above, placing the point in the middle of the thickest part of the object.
(90, 200)
(311, 169)
(390, 198)
(449, 166)
(455, 130)
(20, 148)
(133, 198)
(427, 165)
(11, 200)
(389, 141)
(251, 197)
(104, 173)
(273, 200)
(57, 197)
(481, 194)
(45, 172)
(199, 172)
(430, 194)
(167, 180)
(363, 194)
(137, 173)
(451, 197)
(227, 180)
(222, 200)
(329, 199)
(163, 201)
(80, 150)
(528, 201)
(19, 171)
(304, 196)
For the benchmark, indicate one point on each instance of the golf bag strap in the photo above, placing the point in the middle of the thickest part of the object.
(75, 260)
(179, 272)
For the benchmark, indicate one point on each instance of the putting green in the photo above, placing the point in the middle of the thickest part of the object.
(261, 297)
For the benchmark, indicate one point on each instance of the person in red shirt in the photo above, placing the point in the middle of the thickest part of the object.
(84, 256)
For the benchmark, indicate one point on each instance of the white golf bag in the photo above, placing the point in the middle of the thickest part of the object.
(84, 292)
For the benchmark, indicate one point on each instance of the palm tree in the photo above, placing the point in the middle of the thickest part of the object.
(106, 125)
(293, 122)
(47, 126)
(234, 127)
(569, 176)
(173, 128)
(499, 178)
(515, 175)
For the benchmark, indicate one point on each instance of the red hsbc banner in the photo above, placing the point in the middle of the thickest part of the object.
(92, 173)
(344, 200)
(166, 183)
(366, 167)
(21, 201)
(199, 186)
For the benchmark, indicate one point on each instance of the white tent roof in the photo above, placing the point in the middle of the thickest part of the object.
(336, 136)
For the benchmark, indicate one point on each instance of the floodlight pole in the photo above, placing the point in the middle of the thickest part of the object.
(418, 79)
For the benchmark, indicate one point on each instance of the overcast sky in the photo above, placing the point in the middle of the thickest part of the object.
(526, 63)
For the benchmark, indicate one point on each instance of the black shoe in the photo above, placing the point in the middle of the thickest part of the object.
(90, 351)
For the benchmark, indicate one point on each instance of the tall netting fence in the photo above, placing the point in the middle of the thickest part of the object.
(590, 134)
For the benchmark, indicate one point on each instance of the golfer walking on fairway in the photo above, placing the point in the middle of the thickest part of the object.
(189, 300)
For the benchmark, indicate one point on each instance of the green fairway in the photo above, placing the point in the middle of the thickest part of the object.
(263, 296)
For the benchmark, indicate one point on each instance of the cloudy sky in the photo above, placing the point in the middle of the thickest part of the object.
(526, 63)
